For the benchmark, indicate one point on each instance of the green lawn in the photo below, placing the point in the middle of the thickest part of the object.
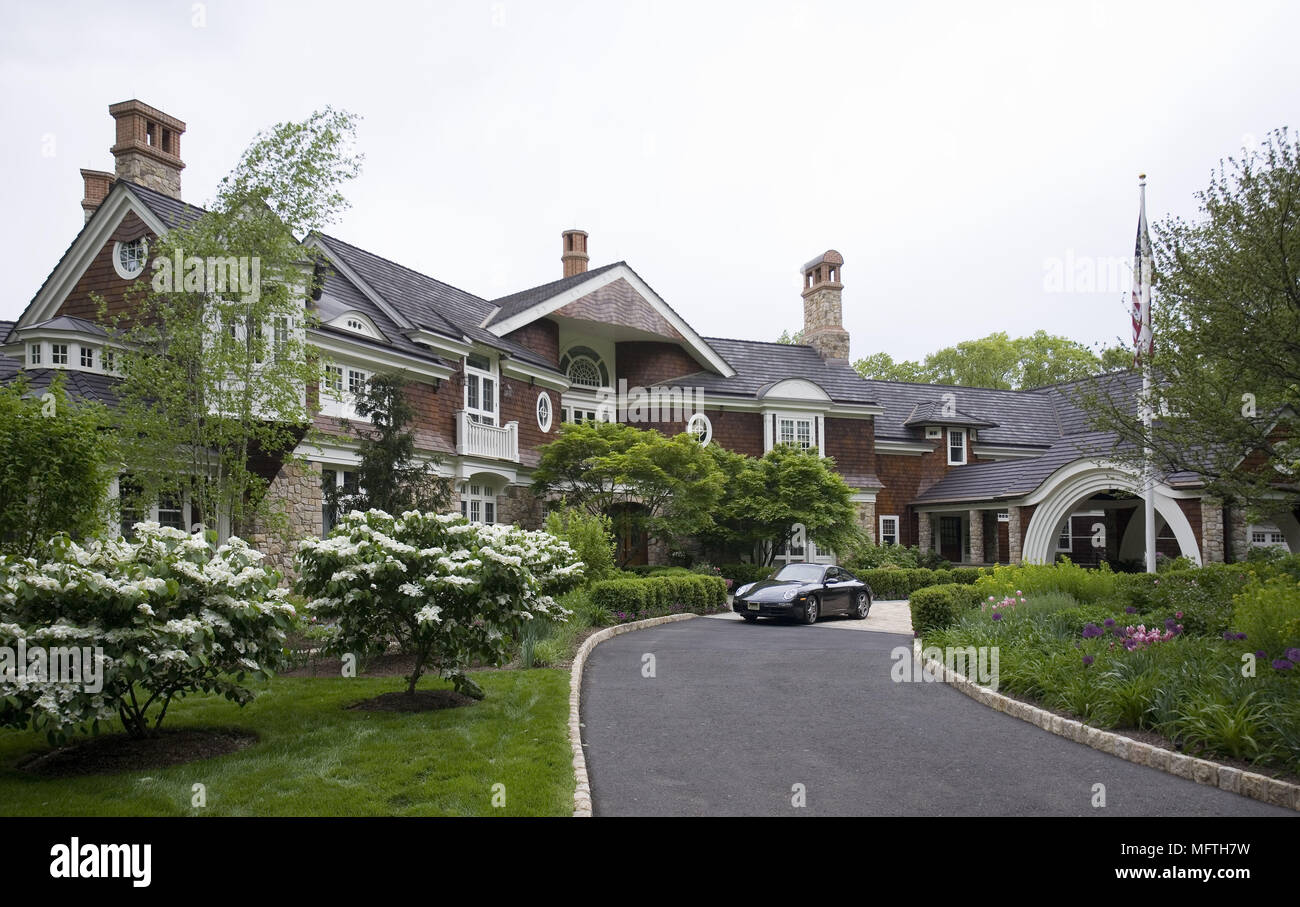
(316, 758)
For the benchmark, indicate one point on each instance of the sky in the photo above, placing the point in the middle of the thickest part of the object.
(976, 164)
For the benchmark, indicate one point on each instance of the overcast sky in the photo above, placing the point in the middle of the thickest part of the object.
(954, 153)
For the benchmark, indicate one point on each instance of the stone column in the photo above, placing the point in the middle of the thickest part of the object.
(1211, 531)
(1013, 535)
(866, 513)
(1235, 530)
(977, 536)
(925, 540)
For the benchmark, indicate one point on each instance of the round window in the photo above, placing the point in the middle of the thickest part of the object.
(700, 428)
(544, 411)
(128, 258)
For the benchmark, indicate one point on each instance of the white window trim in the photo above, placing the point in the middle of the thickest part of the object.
(117, 260)
(772, 420)
(1067, 533)
(493, 375)
(886, 518)
(700, 420)
(964, 452)
(545, 411)
(487, 495)
(341, 403)
(1268, 529)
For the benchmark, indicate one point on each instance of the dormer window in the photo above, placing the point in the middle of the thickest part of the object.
(956, 447)
(357, 323)
(87, 357)
(58, 354)
(34, 354)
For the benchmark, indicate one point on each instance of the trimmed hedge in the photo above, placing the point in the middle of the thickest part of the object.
(744, 574)
(1202, 594)
(663, 594)
(893, 583)
(936, 607)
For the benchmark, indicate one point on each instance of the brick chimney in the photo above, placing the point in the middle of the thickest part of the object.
(823, 318)
(98, 182)
(575, 252)
(148, 147)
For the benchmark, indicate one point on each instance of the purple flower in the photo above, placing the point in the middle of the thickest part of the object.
(1282, 664)
(997, 616)
(1091, 631)
(1227, 634)
(1109, 622)
(1130, 644)
(1170, 623)
(1293, 655)
(1130, 610)
(1087, 660)
(1241, 635)
(1260, 653)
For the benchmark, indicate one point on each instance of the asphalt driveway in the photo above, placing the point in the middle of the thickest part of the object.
(743, 719)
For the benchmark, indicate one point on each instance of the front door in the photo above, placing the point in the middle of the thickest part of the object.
(950, 538)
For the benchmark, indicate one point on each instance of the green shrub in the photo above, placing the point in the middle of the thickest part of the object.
(965, 574)
(744, 574)
(874, 557)
(1202, 594)
(1086, 585)
(619, 600)
(936, 607)
(590, 536)
(1268, 613)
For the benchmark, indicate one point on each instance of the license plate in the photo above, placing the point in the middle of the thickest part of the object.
(753, 606)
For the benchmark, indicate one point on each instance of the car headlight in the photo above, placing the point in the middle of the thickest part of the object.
(790, 593)
(740, 593)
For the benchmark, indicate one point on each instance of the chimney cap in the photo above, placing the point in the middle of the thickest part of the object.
(135, 105)
(830, 257)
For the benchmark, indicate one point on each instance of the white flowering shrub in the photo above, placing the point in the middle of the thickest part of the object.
(449, 592)
(170, 613)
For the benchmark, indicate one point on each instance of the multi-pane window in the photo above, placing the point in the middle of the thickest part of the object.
(798, 432)
(1266, 535)
(170, 512)
(336, 484)
(889, 530)
(334, 378)
(1063, 541)
(281, 333)
(478, 504)
(58, 354)
(356, 381)
(87, 357)
(34, 356)
(480, 390)
(110, 360)
(956, 446)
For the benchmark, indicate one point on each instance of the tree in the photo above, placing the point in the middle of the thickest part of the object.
(211, 349)
(389, 477)
(788, 338)
(603, 467)
(1226, 323)
(56, 464)
(767, 498)
(998, 361)
(451, 593)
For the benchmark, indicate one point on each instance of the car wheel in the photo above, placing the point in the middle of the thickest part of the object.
(750, 618)
(862, 606)
(811, 610)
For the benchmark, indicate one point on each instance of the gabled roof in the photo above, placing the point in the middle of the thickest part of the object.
(509, 306)
(70, 324)
(760, 365)
(415, 301)
(5, 328)
(171, 211)
(1019, 418)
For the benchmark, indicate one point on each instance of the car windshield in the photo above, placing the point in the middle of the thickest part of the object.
(800, 573)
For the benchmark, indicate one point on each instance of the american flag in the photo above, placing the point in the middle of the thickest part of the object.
(1142, 340)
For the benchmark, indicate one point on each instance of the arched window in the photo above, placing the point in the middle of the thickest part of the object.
(584, 368)
(700, 428)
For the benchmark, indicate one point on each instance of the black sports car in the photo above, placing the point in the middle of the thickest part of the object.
(805, 591)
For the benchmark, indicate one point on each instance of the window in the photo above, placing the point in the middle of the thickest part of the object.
(170, 512)
(128, 258)
(109, 360)
(584, 368)
(795, 431)
(956, 447)
(933, 432)
(356, 324)
(1004, 516)
(281, 333)
(889, 530)
(34, 354)
(170, 509)
(87, 357)
(1264, 535)
(544, 411)
(699, 427)
(478, 504)
(357, 381)
(340, 482)
(58, 354)
(334, 379)
(480, 390)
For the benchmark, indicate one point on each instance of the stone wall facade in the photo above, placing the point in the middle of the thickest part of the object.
(1211, 532)
(866, 518)
(295, 497)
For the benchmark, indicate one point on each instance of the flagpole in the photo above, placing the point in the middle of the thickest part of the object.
(1149, 513)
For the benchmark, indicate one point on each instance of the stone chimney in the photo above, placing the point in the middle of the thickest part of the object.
(823, 318)
(575, 252)
(97, 183)
(148, 147)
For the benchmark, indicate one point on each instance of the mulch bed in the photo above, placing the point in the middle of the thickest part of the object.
(422, 701)
(113, 753)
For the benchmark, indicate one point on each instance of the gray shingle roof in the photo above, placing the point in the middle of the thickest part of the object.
(1012, 478)
(425, 302)
(1024, 418)
(933, 413)
(171, 211)
(760, 364)
(69, 323)
(5, 328)
(79, 385)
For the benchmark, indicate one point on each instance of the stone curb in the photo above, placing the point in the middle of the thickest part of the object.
(582, 788)
(1202, 771)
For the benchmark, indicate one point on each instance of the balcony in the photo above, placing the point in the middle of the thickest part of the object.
(496, 442)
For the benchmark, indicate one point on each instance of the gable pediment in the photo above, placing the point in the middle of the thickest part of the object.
(618, 303)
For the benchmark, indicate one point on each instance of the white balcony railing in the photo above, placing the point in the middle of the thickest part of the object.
(498, 442)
